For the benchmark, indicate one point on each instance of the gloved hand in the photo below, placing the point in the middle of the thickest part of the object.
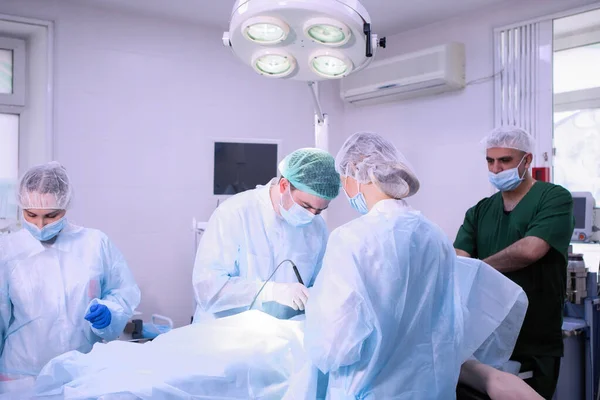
(99, 316)
(294, 295)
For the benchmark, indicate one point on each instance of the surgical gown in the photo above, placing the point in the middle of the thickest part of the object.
(384, 317)
(47, 289)
(243, 244)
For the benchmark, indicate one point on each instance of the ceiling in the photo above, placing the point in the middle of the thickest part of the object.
(388, 16)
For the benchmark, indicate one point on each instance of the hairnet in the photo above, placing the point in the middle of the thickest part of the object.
(45, 187)
(368, 157)
(509, 137)
(312, 171)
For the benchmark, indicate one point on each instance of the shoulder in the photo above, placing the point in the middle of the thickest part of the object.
(486, 202)
(91, 238)
(75, 236)
(350, 232)
(426, 232)
(17, 245)
(80, 233)
(551, 189)
(379, 227)
(554, 195)
(240, 203)
(483, 206)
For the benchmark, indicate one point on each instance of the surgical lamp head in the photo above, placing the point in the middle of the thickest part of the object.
(307, 40)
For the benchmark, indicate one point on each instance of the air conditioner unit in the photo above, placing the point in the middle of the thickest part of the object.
(430, 71)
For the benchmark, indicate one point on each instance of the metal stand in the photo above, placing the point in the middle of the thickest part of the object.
(321, 126)
(314, 91)
(584, 317)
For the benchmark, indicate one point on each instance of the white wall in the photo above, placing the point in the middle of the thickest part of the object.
(440, 135)
(137, 103)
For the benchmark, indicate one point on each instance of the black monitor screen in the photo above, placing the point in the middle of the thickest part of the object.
(243, 166)
(579, 212)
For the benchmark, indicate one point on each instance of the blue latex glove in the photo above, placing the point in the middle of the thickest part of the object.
(99, 316)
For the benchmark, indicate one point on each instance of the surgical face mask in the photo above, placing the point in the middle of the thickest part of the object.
(358, 202)
(508, 180)
(296, 215)
(47, 232)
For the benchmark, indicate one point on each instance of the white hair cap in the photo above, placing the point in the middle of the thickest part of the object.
(45, 187)
(510, 137)
(369, 158)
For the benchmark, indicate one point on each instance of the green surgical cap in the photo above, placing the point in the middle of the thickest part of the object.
(312, 171)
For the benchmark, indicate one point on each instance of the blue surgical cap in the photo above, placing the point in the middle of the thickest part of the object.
(312, 171)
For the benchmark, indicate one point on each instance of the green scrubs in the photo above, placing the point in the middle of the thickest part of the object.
(545, 212)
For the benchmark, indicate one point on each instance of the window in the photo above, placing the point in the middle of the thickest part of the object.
(6, 71)
(577, 68)
(12, 101)
(576, 141)
(9, 165)
(26, 99)
(12, 72)
(577, 158)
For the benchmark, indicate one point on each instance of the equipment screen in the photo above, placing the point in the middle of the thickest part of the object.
(243, 166)
(579, 212)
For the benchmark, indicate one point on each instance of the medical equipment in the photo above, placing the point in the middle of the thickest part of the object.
(305, 40)
(297, 274)
(154, 328)
(580, 366)
(584, 212)
(241, 165)
(198, 229)
(541, 174)
(576, 279)
(271, 276)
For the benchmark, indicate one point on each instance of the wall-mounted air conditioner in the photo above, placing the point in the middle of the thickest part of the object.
(430, 71)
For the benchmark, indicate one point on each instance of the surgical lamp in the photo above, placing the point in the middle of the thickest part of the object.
(306, 40)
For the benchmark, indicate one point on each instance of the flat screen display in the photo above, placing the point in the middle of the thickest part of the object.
(579, 212)
(243, 166)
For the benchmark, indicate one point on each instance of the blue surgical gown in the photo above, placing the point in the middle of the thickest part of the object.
(384, 317)
(47, 289)
(244, 242)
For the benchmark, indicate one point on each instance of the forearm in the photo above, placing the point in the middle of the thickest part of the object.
(121, 303)
(462, 253)
(476, 375)
(519, 255)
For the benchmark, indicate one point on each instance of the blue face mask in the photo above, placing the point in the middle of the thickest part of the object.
(508, 180)
(358, 202)
(47, 232)
(296, 215)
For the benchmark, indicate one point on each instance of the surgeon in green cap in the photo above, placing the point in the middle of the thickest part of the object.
(254, 232)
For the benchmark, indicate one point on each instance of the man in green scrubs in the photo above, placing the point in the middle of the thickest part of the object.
(524, 232)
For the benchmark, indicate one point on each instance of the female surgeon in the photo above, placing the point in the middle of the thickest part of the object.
(63, 287)
(387, 318)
